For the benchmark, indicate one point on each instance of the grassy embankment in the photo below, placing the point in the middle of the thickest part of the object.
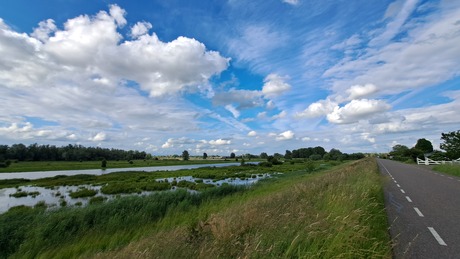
(334, 214)
(29, 166)
(448, 169)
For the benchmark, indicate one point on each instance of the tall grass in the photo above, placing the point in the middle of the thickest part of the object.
(448, 169)
(338, 214)
(31, 233)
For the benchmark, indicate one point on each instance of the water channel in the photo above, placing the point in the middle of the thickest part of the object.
(43, 174)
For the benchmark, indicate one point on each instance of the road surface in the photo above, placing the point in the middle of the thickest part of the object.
(423, 208)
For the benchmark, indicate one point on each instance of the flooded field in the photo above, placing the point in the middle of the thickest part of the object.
(81, 195)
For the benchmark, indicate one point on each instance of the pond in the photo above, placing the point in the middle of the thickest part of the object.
(43, 174)
(58, 196)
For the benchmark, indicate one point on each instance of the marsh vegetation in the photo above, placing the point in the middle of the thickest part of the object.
(330, 211)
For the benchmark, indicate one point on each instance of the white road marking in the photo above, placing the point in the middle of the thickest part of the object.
(398, 185)
(442, 175)
(408, 199)
(403, 191)
(451, 178)
(437, 236)
(418, 212)
(395, 181)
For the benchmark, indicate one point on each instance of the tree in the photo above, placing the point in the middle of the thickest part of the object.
(263, 155)
(335, 154)
(104, 163)
(232, 155)
(185, 155)
(288, 155)
(400, 151)
(451, 144)
(205, 155)
(424, 145)
(278, 156)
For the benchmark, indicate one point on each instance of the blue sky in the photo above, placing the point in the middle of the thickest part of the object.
(229, 76)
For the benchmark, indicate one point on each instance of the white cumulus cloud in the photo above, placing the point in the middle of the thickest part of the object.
(357, 110)
(275, 85)
(285, 135)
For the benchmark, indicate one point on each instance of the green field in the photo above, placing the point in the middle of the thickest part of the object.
(328, 212)
(21, 166)
(448, 169)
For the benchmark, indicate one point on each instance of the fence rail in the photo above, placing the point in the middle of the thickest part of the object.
(428, 161)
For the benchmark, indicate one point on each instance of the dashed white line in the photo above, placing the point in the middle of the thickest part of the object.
(403, 191)
(418, 212)
(395, 181)
(437, 236)
(408, 199)
(451, 178)
(398, 185)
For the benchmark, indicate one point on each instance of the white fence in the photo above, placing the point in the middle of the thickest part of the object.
(428, 161)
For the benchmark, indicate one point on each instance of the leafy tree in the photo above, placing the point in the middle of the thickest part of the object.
(288, 155)
(263, 155)
(335, 154)
(316, 157)
(400, 151)
(451, 144)
(232, 155)
(205, 155)
(185, 155)
(104, 163)
(416, 153)
(319, 151)
(278, 156)
(424, 145)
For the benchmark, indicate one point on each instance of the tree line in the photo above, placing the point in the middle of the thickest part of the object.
(35, 152)
(423, 147)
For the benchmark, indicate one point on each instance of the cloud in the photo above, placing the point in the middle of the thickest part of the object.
(361, 91)
(140, 28)
(252, 133)
(101, 136)
(118, 14)
(287, 135)
(291, 2)
(233, 110)
(280, 115)
(45, 28)
(275, 85)
(319, 108)
(219, 142)
(93, 45)
(254, 44)
(351, 42)
(357, 110)
(270, 105)
(244, 98)
(393, 27)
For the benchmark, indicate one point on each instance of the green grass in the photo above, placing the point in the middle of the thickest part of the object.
(21, 166)
(448, 169)
(82, 193)
(334, 214)
(20, 194)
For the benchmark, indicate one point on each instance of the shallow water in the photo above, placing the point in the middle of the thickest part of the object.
(43, 174)
(54, 196)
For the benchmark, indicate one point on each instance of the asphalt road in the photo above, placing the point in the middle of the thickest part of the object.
(423, 208)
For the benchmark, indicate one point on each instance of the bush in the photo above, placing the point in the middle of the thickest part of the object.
(265, 164)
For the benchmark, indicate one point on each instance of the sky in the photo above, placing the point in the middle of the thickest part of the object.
(224, 76)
